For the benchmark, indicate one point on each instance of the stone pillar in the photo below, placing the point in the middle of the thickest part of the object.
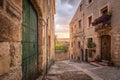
(40, 51)
(10, 39)
(99, 46)
(116, 48)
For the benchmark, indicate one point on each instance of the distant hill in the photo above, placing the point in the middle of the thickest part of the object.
(63, 39)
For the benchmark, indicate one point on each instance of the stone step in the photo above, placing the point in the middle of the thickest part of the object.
(103, 63)
(95, 64)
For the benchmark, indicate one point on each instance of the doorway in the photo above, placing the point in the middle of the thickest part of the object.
(29, 42)
(106, 47)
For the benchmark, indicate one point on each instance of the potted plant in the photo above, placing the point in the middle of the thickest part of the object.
(104, 18)
(93, 45)
(89, 44)
(98, 59)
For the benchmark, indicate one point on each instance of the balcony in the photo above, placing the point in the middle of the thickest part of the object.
(103, 23)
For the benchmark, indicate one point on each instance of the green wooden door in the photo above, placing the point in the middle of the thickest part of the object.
(29, 42)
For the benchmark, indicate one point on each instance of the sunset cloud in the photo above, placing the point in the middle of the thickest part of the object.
(65, 10)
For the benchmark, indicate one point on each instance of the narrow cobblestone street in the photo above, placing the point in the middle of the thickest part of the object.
(63, 70)
(66, 70)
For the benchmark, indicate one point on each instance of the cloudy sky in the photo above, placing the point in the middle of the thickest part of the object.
(65, 9)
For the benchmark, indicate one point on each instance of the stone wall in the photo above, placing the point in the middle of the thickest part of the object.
(11, 36)
(10, 40)
(59, 56)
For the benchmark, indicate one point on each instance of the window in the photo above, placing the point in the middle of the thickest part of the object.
(89, 21)
(71, 44)
(78, 58)
(74, 42)
(49, 2)
(71, 29)
(90, 40)
(104, 10)
(79, 44)
(89, 1)
(81, 7)
(74, 26)
(72, 57)
(80, 24)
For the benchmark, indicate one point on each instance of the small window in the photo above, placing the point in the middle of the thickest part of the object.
(81, 7)
(48, 2)
(74, 26)
(90, 40)
(79, 44)
(71, 44)
(89, 21)
(78, 58)
(72, 57)
(74, 42)
(104, 10)
(71, 29)
(80, 24)
(89, 1)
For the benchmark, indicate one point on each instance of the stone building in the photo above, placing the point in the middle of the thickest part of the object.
(99, 39)
(26, 38)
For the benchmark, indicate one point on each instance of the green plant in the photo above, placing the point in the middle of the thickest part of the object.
(61, 47)
(91, 44)
(98, 58)
(105, 17)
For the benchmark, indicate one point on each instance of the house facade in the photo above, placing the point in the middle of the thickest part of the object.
(26, 38)
(99, 23)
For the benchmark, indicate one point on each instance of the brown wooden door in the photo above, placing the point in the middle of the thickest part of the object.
(106, 47)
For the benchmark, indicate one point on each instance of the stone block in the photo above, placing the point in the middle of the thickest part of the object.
(116, 61)
(9, 31)
(15, 33)
(13, 11)
(18, 3)
(4, 58)
(16, 54)
(14, 74)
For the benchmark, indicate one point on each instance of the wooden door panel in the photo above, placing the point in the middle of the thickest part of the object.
(29, 42)
(106, 47)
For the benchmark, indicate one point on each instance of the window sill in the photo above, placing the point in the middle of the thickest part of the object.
(89, 4)
(89, 27)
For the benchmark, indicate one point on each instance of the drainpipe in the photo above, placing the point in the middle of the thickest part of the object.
(84, 57)
(47, 47)
(83, 36)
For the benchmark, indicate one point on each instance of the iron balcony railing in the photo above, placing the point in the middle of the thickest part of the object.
(103, 26)
(103, 22)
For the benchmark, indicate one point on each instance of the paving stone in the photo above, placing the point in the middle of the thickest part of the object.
(66, 70)
(62, 71)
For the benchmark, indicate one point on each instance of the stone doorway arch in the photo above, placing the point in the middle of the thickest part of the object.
(31, 40)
